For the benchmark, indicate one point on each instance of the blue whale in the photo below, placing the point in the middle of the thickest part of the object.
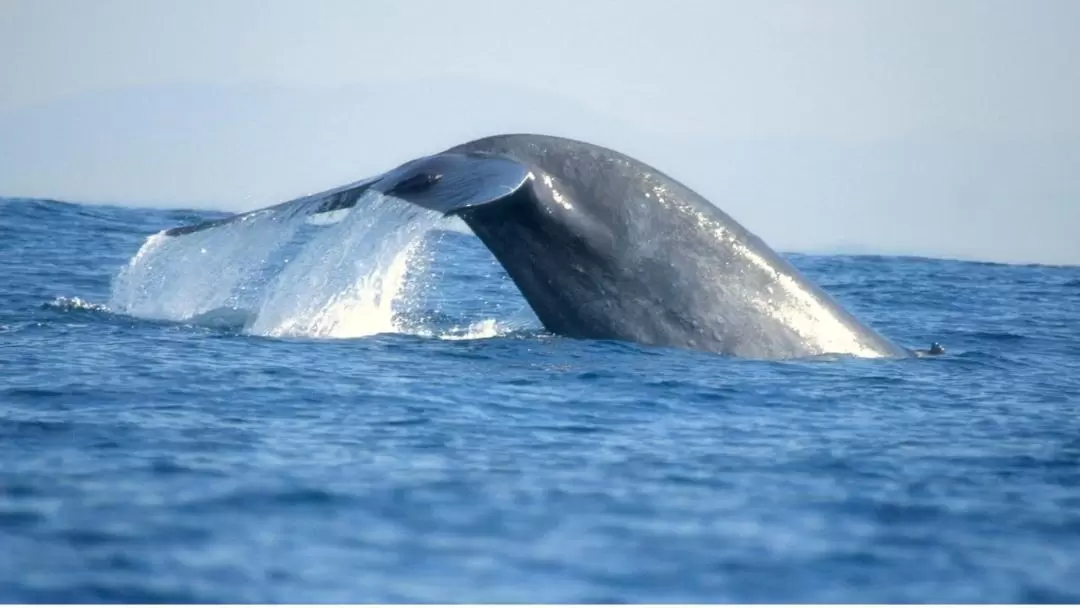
(603, 246)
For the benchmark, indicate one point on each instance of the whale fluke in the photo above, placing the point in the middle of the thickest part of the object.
(604, 246)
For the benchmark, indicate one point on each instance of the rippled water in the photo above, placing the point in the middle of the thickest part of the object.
(167, 446)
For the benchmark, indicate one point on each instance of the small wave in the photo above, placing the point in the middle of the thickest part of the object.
(998, 336)
(479, 330)
(488, 328)
(75, 304)
(34, 205)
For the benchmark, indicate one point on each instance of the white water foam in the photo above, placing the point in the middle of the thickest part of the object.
(75, 304)
(344, 276)
(487, 328)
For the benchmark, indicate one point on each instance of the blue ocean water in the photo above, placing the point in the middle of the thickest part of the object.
(337, 450)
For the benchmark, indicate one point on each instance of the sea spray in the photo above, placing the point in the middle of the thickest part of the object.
(383, 266)
(181, 278)
(297, 277)
(351, 281)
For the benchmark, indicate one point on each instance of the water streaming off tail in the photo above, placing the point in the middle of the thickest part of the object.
(350, 273)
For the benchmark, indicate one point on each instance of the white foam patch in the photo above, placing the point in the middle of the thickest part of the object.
(76, 304)
(480, 330)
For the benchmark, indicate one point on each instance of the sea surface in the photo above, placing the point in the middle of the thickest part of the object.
(374, 415)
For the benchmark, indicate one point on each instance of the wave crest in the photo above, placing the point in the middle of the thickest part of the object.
(75, 304)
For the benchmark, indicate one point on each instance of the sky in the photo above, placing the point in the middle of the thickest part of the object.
(927, 127)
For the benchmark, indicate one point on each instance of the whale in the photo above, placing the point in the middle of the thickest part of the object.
(605, 247)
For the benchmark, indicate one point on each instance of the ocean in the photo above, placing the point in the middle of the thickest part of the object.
(377, 416)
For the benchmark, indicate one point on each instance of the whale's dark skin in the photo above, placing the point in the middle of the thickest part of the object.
(603, 246)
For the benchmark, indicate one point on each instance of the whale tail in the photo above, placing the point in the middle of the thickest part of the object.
(343, 197)
(449, 183)
(604, 246)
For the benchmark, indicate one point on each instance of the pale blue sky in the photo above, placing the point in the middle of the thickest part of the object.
(938, 127)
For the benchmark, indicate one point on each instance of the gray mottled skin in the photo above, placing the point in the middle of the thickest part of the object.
(603, 246)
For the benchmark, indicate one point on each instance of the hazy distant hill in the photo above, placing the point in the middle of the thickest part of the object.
(242, 147)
